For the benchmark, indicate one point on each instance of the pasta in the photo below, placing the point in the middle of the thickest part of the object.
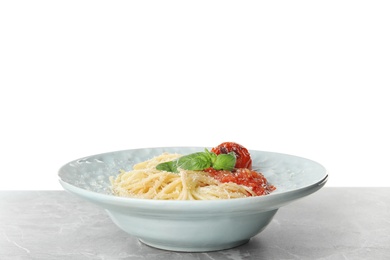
(145, 181)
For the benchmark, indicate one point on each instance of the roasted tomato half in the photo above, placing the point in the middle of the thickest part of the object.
(243, 158)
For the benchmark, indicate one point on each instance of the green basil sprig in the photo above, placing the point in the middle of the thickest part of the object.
(200, 161)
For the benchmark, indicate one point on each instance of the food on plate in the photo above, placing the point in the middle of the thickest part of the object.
(224, 172)
(243, 157)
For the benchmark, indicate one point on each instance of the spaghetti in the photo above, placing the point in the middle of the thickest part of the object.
(146, 182)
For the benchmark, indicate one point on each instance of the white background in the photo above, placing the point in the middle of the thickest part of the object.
(308, 78)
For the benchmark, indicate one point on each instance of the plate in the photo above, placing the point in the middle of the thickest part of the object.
(192, 226)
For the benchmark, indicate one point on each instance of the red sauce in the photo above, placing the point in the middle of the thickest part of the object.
(244, 176)
(243, 173)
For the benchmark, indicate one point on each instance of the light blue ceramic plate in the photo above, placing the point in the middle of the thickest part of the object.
(192, 226)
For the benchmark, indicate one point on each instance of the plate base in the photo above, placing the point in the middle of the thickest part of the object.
(208, 248)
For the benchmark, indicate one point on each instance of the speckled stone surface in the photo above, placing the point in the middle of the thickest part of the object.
(333, 223)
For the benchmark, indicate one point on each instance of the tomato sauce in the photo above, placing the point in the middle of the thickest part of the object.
(243, 173)
(244, 176)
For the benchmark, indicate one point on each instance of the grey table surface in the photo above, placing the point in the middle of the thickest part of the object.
(333, 223)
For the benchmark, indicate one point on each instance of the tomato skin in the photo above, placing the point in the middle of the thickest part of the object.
(243, 157)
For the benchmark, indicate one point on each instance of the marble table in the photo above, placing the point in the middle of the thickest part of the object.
(333, 223)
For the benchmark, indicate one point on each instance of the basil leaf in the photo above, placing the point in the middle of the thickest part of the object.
(200, 161)
(212, 156)
(195, 161)
(170, 166)
(225, 161)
